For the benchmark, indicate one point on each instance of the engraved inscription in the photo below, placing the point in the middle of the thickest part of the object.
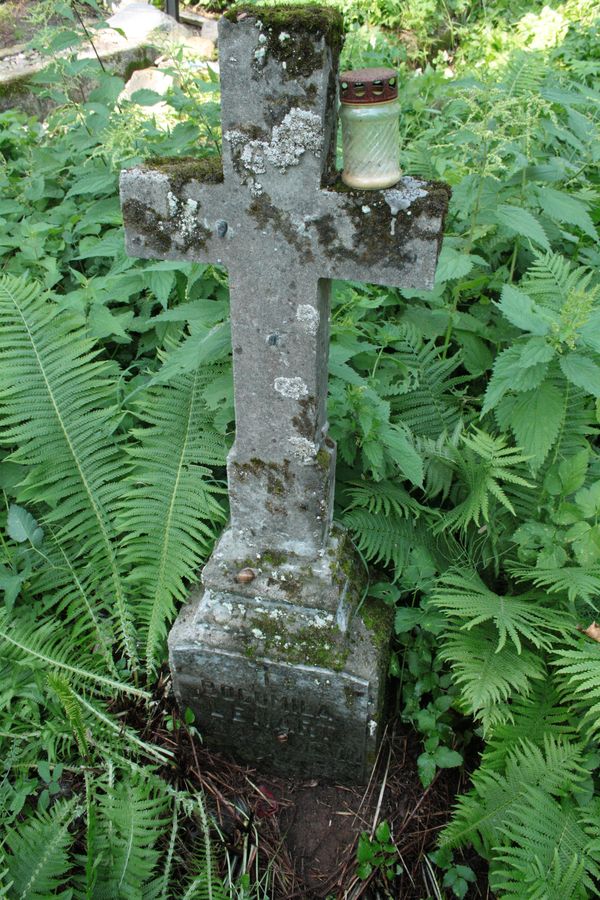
(261, 706)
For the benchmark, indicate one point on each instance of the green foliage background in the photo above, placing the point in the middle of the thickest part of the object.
(465, 418)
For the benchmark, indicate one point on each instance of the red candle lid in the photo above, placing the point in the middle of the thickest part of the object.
(368, 85)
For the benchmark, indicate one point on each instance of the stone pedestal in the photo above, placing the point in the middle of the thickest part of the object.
(284, 672)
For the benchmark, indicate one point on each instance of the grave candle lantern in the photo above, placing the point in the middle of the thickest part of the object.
(370, 128)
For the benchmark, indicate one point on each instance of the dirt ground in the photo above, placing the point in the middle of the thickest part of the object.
(306, 832)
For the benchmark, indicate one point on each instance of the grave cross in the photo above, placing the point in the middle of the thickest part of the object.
(269, 654)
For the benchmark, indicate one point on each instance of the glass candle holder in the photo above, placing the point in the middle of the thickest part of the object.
(370, 128)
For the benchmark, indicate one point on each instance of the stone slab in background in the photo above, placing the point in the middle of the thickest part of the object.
(146, 34)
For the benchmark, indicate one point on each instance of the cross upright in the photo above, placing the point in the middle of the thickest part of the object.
(269, 654)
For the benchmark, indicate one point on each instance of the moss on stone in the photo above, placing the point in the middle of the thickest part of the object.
(304, 422)
(377, 618)
(277, 475)
(311, 645)
(143, 63)
(301, 25)
(273, 557)
(378, 232)
(14, 88)
(323, 459)
(140, 218)
(182, 169)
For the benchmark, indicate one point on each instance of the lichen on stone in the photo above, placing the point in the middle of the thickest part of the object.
(303, 449)
(315, 641)
(308, 317)
(290, 388)
(299, 131)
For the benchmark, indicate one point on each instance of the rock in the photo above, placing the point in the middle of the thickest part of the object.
(147, 79)
(209, 27)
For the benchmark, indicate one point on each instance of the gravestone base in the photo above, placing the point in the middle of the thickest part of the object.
(295, 690)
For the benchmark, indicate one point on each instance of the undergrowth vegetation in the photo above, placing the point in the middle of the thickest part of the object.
(468, 473)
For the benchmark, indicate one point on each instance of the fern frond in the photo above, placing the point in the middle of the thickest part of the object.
(487, 676)
(205, 885)
(574, 582)
(546, 846)
(535, 718)
(468, 602)
(578, 670)
(130, 821)
(552, 277)
(432, 406)
(523, 74)
(47, 644)
(57, 406)
(69, 588)
(72, 708)
(39, 862)
(388, 539)
(485, 467)
(387, 497)
(159, 889)
(481, 814)
(171, 513)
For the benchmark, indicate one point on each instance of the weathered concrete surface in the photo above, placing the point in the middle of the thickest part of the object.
(283, 689)
(278, 617)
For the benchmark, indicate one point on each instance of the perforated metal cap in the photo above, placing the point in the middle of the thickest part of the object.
(369, 85)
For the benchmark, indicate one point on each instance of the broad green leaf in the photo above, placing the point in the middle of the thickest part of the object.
(103, 323)
(200, 347)
(426, 766)
(521, 311)
(21, 526)
(507, 375)
(477, 357)
(364, 851)
(407, 618)
(446, 758)
(453, 264)
(161, 284)
(582, 371)
(522, 222)
(572, 472)
(146, 97)
(588, 500)
(111, 245)
(534, 351)
(405, 456)
(11, 585)
(536, 418)
(94, 183)
(565, 208)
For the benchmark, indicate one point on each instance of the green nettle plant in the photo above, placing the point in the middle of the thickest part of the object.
(468, 473)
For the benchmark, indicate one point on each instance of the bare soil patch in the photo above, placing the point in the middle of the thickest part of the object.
(306, 832)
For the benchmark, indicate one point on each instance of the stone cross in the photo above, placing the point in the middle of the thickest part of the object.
(271, 654)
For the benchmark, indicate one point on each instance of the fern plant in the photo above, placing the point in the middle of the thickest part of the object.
(58, 406)
(171, 514)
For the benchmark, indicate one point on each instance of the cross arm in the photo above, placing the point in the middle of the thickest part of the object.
(391, 237)
(175, 208)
